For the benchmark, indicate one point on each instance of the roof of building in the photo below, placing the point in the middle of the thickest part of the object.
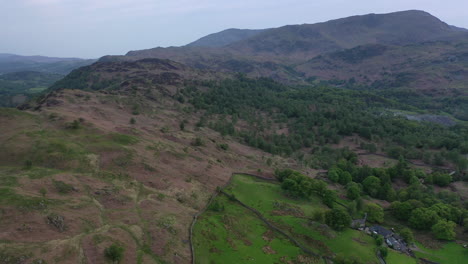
(381, 230)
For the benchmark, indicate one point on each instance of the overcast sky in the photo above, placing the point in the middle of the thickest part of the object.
(93, 28)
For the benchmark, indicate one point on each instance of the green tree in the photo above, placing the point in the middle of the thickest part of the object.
(375, 213)
(114, 253)
(383, 251)
(441, 179)
(334, 175)
(329, 198)
(407, 235)
(371, 185)
(444, 229)
(401, 210)
(379, 240)
(337, 219)
(352, 191)
(423, 218)
(345, 178)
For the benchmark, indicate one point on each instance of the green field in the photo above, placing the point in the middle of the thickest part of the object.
(236, 235)
(293, 216)
(452, 253)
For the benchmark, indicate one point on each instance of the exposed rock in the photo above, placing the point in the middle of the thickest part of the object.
(57, 221)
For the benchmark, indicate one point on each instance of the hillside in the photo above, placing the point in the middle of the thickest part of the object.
(263, 150)
(127, 152)
(433, 67)
(225, 37)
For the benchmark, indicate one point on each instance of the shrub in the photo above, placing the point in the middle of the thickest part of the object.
(62, 188)
(379, 240)
(216, 206)
(114, 253)
(198, 142)
(223, 146)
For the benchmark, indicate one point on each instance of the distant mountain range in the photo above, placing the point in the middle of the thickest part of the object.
(401, 49)
(16, 63)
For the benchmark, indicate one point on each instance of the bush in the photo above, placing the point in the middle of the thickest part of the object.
(114, 253)
(198, 142)
(223, 146)
(216, 206)
(62, 188)
(383, 251)
(379, 240)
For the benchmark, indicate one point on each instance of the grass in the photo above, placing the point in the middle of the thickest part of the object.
(9, 197)
(398, 258)
(452, 253)
(235, 235)
(265, 197)
(123, 139)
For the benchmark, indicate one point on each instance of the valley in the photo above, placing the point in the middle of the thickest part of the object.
(246, 146)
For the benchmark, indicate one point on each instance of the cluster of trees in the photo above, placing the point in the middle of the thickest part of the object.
(301, 186)
(416, 204)
(27, 84)
(440, 218)
(320, 115)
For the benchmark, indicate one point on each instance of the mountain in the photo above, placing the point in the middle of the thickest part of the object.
(301, 42)
(16, 63)
(284, 53)
(438, 67)
(310, 40)
(225, 37)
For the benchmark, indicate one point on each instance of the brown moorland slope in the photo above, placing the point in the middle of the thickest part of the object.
(90, 168)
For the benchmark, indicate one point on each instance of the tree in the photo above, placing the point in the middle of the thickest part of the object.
(371, 185)
(375, 213)
(441, 179)
(444, 229)
(379, 240)
(407, 235)
(337, 219)
(352, 191)
(402, 210)
(329, 198)
(345, 178)
(114, 253)
(132, 121)
(333, 175)
(383, 251)
(423, 218)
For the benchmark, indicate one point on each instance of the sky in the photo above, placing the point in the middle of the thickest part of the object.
(94, 28)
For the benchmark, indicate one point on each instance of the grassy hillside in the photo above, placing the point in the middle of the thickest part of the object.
(219, 229)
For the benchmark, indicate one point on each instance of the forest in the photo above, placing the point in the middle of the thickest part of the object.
(283, 119)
